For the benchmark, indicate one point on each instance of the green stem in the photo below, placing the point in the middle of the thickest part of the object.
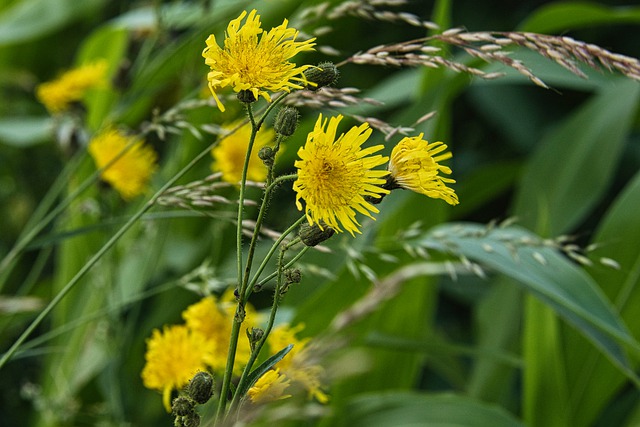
(242, 275)
(272, 317)
(95, 258)
(267, 257)
(289, 264)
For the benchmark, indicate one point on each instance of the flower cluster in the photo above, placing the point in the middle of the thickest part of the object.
(70, 87)
(336, 178)
(134, 162)
(175, 354)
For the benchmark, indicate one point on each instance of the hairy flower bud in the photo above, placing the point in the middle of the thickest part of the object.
(201, 387)
(190, 420)
(313, 235)
(182, 405)
(292, 275)
(286, 121)
(246, 97)
(324, 74)
(267, 155)
(254, 335)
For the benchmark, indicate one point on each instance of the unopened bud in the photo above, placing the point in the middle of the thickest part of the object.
(190, 420)
(286, 121)
(201, 387)
(292, 275)
(267, 155)
(246, 97)
(324, 74)
(182, 405)
(254, 335)
(313, 235)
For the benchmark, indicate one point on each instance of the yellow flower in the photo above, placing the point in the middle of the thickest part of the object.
(297, 364)
(71, 86)
(414, 166)
(130, 174)
(255, 64)
(173, 357)
(229, 154)
(269, 387)
(213, 319)
(336, 176)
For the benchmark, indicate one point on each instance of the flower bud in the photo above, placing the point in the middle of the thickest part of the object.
(292, 275)
(201, 387)
(191, 420)
(267, 155)
(182, 406)
(312, 235)
(286, 121)
(254, 335)
(246, 97)
(324, 74)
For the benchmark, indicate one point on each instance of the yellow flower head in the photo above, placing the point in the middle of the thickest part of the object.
(229, 154)
(414, 166)
(173, 357)
(256, 64)
(335, 175)
(269, 387)
(297, 364)
(71, 86)
(213, 319)
(130, 174)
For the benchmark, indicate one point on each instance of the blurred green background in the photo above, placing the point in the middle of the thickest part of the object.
(555, 348)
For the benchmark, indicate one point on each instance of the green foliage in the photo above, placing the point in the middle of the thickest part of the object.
(516, 307)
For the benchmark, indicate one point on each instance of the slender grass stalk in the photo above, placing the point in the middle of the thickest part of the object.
(39, 224)
(96, 257)
(36, 223)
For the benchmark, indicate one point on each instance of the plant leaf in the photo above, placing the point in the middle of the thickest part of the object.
(545, 273)
(416, 409)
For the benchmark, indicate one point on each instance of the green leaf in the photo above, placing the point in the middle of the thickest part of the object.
(415, 409)
(29, 19)
(263, 368)
(563, 16)
(25, 131)
(545, 273)
(569, 173)
(594, 380)
(544, 375)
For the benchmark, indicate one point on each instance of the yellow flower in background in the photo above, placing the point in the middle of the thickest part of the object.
(228, 155)
(297, 364)
(414, 165)
(336, 175)
(59, 94)
(130, 174)
(255, 60)
(269, 387)
(213, 318)
(173, 357)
